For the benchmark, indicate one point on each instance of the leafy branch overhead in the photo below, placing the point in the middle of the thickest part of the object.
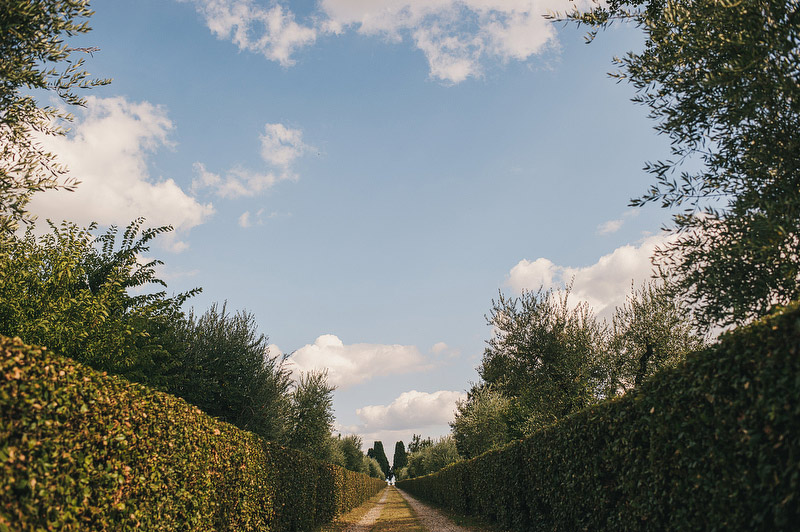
(35, 57)
(722, 81)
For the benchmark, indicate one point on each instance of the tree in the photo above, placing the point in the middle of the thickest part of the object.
(721, 80)
(311, 414)
(481, 421)
(71, 291)
(431, 458)
(400, 459)
(544, 356)
(649, 332)
(373, 468)
(223, 366)
(417, 443)
(379, 455)
(353, 456)
(35, 57)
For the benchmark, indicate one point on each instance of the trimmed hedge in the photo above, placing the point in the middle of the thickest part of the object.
(713, 444)
(80, 450)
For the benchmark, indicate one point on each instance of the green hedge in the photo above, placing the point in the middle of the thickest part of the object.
(711, 445)
(80, 450)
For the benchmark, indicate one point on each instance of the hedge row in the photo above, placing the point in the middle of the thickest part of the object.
(80, 450)
(711, 445)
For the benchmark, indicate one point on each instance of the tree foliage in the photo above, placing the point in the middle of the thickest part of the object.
(223, 365)
(311, 415)
(35, 57)
(92, 298)
(73, 292)
(649, 332)
(481, 421)
(400, 458)
(722, 81)
(431, 458)
(544, 356)
(548, 359)
(377, 452)
(417, 443)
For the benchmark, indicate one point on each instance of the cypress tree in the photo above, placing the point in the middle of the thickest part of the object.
(380, 455)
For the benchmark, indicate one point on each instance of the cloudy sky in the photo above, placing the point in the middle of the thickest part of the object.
(366, 175)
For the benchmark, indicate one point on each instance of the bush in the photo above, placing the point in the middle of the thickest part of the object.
(712, 444)
(80, 450)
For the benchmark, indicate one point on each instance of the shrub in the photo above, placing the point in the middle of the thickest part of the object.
(80, 450)
(712, 444)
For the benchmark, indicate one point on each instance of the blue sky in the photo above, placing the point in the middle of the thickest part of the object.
(365, 177)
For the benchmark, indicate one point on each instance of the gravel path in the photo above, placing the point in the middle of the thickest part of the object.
(432, 519)
(368, 521)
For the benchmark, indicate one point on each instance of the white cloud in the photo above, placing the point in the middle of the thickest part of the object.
(108, 150)
(270, 31)
(456, 36)
(611, 226)
(238, 182)
(603, 284)
(348, 365)
(280, 146)
(442, 349)
(439, 348)
(248, 219)
(409, 410)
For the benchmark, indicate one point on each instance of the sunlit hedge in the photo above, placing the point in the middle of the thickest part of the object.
(80, 450)
(711, 445)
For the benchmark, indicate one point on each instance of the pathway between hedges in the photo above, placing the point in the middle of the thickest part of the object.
(399, 511)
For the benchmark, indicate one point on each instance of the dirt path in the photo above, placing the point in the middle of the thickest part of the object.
(397, 511)
(432, 519)
(366, 523)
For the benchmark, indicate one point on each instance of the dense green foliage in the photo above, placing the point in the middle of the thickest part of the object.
(83, 451)
(430, 456)
(220, 363)
(400, 458)
(544, 356)
(711, 444)
(311, 418)
(722, 81)
(548, 359)
(481, 421)
(346, 452)
(91, 298)
(649, 332)
(71, 291)
(34, 56)
(377, 452)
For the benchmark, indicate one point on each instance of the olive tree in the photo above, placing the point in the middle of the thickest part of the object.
(722, 82)
(35, 57)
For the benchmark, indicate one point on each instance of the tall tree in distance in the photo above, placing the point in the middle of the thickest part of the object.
(379, 455)
(35, 57)
(722, 81)
(400, 459)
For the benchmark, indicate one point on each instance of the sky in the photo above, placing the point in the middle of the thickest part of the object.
(365, 176)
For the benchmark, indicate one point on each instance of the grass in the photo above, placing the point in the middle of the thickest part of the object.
(397, 516)
(345, 521)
